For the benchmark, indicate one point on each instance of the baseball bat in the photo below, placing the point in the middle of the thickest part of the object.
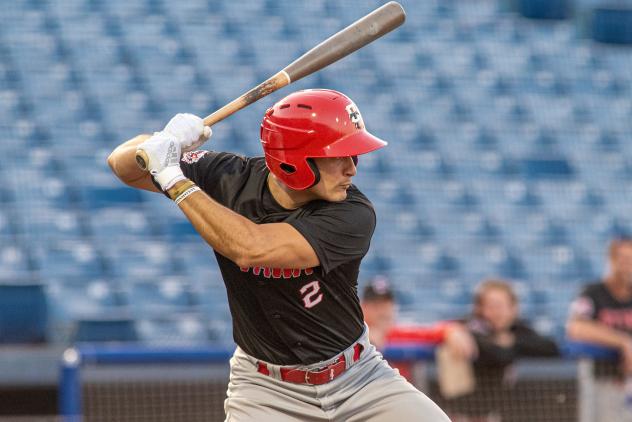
(355, 36)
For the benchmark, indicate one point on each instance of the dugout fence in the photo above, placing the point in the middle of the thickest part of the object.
(137, 384)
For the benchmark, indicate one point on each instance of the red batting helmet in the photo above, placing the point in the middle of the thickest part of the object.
(311, 124)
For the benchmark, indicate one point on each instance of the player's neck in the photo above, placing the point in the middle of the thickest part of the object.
(619, 287)
(288, 198)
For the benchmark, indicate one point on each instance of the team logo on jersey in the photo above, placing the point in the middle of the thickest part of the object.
(355, 116)
(268, 272)
(193, 156)
(582, 307)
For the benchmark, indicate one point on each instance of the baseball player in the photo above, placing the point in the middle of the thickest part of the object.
(289, 231)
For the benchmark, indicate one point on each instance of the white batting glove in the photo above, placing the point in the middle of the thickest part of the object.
(163, 151)
(189, 131)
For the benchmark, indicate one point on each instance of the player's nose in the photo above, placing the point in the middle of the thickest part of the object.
(350, 168)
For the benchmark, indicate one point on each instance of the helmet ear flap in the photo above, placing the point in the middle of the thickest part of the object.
(314, 167)
(297, 174)
(287, 168)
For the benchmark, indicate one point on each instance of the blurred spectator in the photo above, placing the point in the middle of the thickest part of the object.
(475, 364)
(380, 314)
(602, 313)
(497, 333)
(378, 307)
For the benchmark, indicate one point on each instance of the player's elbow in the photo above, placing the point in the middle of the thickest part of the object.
(116, 163)
(251, 256)
(112, 162)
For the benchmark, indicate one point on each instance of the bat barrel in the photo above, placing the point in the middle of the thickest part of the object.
(360, 33)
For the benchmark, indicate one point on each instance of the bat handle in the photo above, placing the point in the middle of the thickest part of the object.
(142, 159)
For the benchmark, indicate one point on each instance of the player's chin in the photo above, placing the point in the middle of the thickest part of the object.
(338, 195)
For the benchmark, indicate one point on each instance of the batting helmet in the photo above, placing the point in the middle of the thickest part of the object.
(309, 124)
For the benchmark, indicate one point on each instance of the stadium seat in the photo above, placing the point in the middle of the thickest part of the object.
(181, 330)
(158, 296)
(507, 142)
(101, 197)
(23, 313)
(15, 260)
(106, 329)
(612, 24)
(69, 257)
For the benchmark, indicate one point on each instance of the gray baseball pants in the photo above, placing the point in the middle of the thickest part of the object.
(369, 390)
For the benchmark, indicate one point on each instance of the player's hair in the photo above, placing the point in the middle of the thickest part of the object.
(492, 284)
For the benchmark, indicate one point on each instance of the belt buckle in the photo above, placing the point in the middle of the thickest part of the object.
(307, 378)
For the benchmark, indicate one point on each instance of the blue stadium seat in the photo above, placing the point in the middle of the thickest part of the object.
(139, 259)
(69, 258)
(106, 330)
(15, 260)
(506, 143)
(73, 298)
(552, 233)
(8, 226)
(158, 296)
(186, 329)
(116, 224)
(103, 197)
(571, 265)
(23, 313)
(535, 168)
(511, 266)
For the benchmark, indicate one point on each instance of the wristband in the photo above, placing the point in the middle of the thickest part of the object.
(184, 195)
(177, 191)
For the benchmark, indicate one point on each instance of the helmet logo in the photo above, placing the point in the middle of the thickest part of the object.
(354, 116)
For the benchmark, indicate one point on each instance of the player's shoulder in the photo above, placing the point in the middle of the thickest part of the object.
(356, 208)
(355, 195)
(227, 161)
(357, 199)
(594, 289)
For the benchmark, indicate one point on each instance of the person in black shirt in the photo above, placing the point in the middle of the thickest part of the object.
(501, 337)
(602, 313)
(498, 338)
(289, 231)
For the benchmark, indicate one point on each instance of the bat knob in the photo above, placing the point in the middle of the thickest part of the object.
(142, 159)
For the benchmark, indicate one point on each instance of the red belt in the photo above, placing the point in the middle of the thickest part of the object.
(317, 377)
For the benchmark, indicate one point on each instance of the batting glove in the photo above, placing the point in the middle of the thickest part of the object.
(163, 151)
(189, 131)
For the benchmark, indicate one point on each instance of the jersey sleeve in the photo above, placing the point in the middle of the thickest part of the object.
(210, 170)
(583, 307)
(338, 232)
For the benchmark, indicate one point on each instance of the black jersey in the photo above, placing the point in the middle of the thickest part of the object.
(289, 315)
(596, 303)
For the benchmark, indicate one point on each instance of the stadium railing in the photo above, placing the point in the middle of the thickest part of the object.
(133, 383)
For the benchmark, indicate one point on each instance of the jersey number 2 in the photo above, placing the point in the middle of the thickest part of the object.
(310, 294)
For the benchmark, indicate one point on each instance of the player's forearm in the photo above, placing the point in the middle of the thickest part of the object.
(227, 232)
(122, 160)
(596, 332)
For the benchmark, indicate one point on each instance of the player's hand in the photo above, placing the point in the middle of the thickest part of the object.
(459, 340)
(163, 151)
(189, 131)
